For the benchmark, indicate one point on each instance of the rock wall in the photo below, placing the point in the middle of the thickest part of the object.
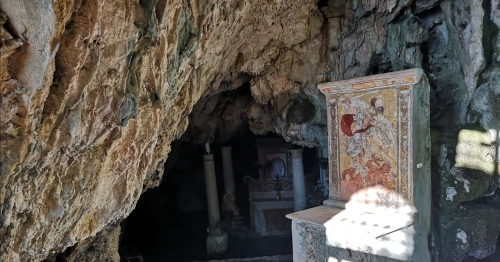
(93, 93)
(101, 248)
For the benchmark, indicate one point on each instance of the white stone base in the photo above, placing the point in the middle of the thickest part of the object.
(217, 244)
(259, 218)
(385, 235)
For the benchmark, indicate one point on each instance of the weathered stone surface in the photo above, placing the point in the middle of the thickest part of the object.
(97, 91)
(422, 5)
(100, 89)
(101, 248)
(303, 121)
(486, 101)
(467, 168)
(404, 48)
(465, 180)
(470, 231)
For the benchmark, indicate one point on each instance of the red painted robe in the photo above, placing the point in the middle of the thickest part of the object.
(347, 125)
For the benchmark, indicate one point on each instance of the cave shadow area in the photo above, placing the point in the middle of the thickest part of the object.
(170, 221)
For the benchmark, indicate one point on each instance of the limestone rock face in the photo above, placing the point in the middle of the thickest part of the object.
(99, 89)
(473, 231)
(466, 184)
(94, 92)
(101, 248)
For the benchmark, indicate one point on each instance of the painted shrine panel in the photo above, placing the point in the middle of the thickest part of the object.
(368, 139)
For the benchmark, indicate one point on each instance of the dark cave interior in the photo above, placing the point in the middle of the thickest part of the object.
(170, 222)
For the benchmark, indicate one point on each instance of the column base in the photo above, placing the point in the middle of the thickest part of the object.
(217, 244)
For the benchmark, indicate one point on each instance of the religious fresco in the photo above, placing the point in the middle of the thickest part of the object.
(368, 140)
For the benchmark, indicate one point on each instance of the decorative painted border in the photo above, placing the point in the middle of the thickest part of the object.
(404, 142)
(406, 77)
(333, 142)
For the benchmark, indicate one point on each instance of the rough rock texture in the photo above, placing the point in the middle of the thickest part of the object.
(465, 181)
(101, 248)
(93, 93)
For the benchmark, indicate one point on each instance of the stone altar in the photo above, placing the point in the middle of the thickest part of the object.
(269, 203)
(379, 202)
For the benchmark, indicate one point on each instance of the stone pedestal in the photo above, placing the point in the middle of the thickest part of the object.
(217, 240)
(299, 187)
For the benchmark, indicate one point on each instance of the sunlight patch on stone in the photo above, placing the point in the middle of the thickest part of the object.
(475, 150)
(373, 228)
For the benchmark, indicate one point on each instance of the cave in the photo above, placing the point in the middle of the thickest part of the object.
(171, 221)
(108, 110)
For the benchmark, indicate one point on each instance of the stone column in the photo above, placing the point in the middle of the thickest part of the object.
(323, 173)
(299, 186)
(216, 240)
(227, 163)
(229, 198)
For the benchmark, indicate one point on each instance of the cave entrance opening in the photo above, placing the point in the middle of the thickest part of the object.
(171, 222)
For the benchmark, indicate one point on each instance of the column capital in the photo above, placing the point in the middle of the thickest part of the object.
(226, 148)
(296, 152)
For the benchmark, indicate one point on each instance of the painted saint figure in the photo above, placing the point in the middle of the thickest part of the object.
(229, 205)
